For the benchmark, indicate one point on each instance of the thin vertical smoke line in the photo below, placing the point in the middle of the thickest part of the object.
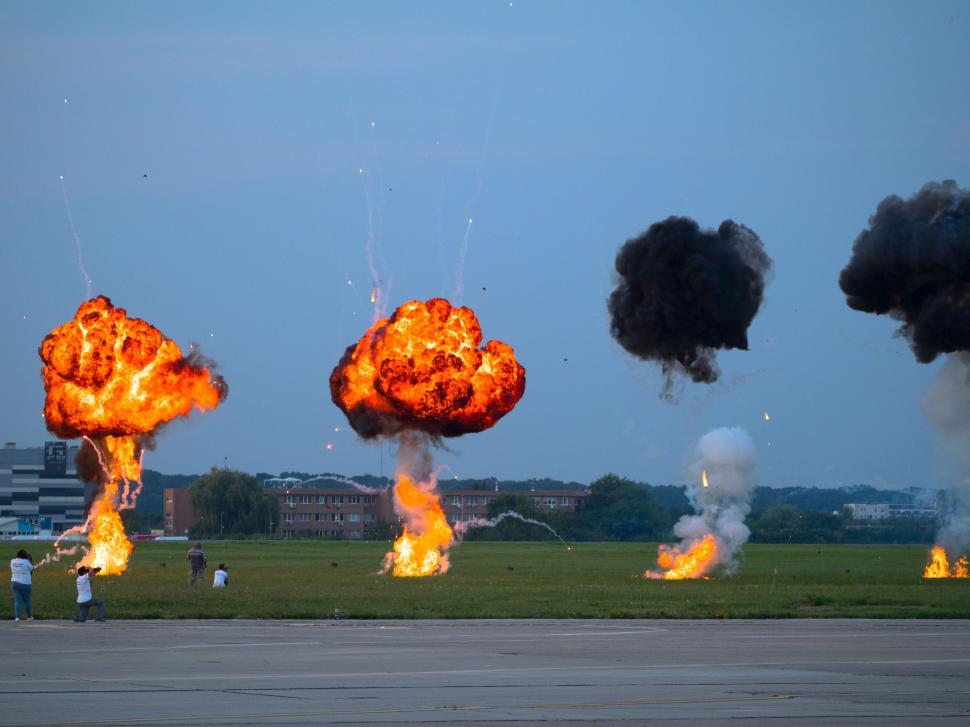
(479, 185)
(77, 239)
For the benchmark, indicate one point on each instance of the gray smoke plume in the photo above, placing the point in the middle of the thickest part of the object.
(683, 293)
(913, 263)
(946, 406)
(727, 455)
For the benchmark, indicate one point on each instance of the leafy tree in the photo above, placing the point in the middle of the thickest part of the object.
(230, 502)
(620, 509)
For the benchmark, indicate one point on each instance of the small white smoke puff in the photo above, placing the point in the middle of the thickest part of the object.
(946, 406)
(728, 456)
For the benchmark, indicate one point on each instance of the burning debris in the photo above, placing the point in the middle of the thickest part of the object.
(114, 381)
(720, 488)
(911, 264)
(420, 375)
(684, 292)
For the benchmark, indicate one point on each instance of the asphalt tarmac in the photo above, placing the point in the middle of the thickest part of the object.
(807, 672)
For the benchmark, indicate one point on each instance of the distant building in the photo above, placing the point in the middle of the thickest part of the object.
(884, 510)
(40, 487)
(326, 509)
(179, 516)
(462, 503)
(322, 508)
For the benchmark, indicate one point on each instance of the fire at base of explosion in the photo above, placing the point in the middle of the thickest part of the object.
(287, 579)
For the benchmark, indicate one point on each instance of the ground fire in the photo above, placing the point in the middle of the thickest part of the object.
(420, 375)
(695, 562)
(939, 566)
(115, 380)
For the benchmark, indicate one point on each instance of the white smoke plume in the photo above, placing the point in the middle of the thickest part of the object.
(946, 406)
(481, 522)
(727, 455)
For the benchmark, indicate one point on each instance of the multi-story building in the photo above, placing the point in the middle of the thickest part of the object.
(462, 503)
(179, 516)
(325, 509)
(884, 510)
(40, 486)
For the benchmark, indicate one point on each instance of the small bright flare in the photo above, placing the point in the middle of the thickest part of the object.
(704, 480)
(767, 418)
(373, 295)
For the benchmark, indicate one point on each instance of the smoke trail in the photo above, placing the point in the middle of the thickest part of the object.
(946, 406)
(336, 478)
(683, 293)
(724, 460)
(58, 554)
(913, 263)
(77, 240)
(481, 522)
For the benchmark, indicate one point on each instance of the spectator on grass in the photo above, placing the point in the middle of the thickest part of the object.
(85, 601)
(197, 564)
(221, 576)
(21, 568)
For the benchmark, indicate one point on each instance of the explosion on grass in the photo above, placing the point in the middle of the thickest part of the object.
(114, 381)
(683, 293)
(913, 263)
(724, 460)
(418, 376)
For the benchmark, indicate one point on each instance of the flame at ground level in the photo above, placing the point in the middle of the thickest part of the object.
(421, 549)
(120, 462)
(695, 562)
(939, 566)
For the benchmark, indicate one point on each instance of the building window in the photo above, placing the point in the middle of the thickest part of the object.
(290, 500)
(456, 500)
(355, 533)
(369, 499)
(338, 517)
(304, 499)
(287, 517)
(338, 499)
(563, 500)
(369, 517)
(354, 499)
(335, 533)
(320, 516)
(550, 502)
(287, 534)
(321, 499)
(305, 517)
(355, 517)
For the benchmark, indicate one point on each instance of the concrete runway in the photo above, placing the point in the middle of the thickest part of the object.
(811, 672)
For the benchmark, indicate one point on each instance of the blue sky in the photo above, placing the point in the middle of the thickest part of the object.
(560, 128)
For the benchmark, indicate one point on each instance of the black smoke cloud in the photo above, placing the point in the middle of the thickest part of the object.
(913, 263)
(684, 292)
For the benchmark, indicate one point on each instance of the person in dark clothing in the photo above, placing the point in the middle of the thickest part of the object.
(197, 564)
(85, 600)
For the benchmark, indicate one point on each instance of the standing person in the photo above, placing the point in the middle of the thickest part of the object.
(84, 598)
(197, 563)
(221, 576)
(21, 568)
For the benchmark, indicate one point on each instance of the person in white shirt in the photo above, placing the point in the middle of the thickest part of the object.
(221, 577)
(21, 568)
(85, 601)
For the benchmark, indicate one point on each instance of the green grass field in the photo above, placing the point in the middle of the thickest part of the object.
(309, 579)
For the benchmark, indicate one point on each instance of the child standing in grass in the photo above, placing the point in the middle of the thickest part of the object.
(221, 576)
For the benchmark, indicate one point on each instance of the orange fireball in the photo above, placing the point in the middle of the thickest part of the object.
(110, 378)
(107, 374)
(695, 562)
(424, 368)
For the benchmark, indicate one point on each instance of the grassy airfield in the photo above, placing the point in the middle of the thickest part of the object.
(309, 579)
